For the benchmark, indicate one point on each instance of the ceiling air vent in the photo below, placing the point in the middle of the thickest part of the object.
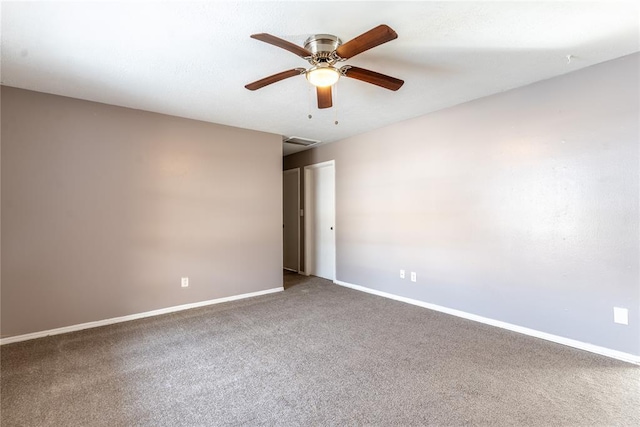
(296, 140)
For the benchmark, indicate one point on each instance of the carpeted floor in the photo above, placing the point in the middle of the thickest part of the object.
(316, 354)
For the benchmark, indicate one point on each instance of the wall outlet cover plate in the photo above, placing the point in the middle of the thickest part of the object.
(621, 315)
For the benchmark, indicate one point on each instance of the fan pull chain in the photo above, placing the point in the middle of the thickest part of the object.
(335, 97)
(309, 101)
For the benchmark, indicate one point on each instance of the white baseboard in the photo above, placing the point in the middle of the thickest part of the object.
(626, 357)
(113, 320)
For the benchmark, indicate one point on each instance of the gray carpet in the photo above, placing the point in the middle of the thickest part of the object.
(316, 354)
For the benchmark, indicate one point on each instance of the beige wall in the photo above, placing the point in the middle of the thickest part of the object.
(105, 208)
(520, 207)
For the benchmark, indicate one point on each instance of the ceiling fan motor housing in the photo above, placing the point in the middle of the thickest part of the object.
(322, 46)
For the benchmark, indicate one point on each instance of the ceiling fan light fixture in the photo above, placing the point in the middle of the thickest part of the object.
(323, 75)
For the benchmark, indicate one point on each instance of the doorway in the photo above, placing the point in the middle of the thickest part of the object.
(319, 202)
(291, 219)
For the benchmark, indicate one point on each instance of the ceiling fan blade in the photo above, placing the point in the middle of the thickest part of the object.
(372, 77)
(283, 44)
(372, 38)
(324, 97)
(274, 78)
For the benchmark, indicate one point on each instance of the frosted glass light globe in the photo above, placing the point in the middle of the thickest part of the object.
(323, 76)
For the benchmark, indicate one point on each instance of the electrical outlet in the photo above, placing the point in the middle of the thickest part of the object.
(184, 282)
(402, 274)
(621, 315)
(414, 276)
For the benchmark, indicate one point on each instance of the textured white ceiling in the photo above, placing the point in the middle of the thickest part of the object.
(192, 59)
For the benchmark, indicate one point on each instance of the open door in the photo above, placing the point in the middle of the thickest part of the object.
(320, 242)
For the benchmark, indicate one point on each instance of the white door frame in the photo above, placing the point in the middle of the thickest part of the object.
(296, 171)
(308, 214)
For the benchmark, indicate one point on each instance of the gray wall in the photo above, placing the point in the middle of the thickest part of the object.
(520, 207)
(105, 208)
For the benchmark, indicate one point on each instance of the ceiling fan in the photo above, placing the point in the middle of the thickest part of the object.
(324, 51)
